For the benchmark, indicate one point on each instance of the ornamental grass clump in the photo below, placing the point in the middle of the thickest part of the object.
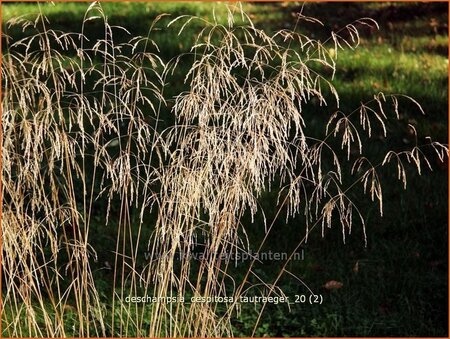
(81, 124)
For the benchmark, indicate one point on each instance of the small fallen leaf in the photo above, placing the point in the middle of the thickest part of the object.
(333, 284)
(356, 267)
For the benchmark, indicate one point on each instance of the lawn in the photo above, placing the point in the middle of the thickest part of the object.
(389, 279)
